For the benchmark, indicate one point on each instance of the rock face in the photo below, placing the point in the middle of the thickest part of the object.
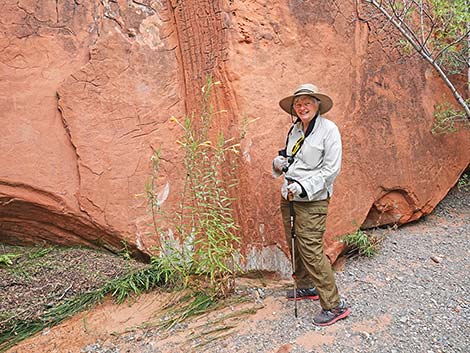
(87, 90)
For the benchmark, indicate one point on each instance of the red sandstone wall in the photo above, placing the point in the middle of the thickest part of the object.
(87, 90)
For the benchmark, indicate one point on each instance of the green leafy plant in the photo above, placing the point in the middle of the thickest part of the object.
(39, 252)
(26, 259)
(125, 252)
(199, 246)
(447, 119)
(7, 259)
(360, 243)
(464, 182)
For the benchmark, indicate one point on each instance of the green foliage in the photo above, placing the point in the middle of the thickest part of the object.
(453, 24)
(454, 15)
(29, 260)
(440, 28)
(464, 182)
(150, 191)
(359, 241)
(39, 252)
(189, 305)
(406, 47)
(7, 259)
(157, 274)
(124, 252)
(448, 120)
(201, 239)
(199, 302)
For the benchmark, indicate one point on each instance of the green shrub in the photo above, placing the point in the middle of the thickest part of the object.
(201, 242)
(359, 242)
(7, 259)
(448, 120)
(464, 182)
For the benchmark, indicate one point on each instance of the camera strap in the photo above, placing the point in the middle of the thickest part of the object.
(298, 144)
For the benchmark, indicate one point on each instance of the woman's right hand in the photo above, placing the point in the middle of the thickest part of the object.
(279, 163)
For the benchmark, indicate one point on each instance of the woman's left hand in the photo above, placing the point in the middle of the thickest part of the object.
(294, 188)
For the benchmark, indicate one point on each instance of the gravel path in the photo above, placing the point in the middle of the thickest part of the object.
(412, 297)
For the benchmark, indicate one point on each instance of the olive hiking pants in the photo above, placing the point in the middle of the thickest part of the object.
(312, 268)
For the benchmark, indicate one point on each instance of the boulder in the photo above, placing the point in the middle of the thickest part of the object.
(88, 89)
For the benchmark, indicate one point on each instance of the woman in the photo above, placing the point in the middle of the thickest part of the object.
(310, 163)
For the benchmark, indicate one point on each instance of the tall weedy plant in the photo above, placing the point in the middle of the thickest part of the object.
(201, 243)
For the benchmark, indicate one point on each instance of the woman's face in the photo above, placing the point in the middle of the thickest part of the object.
(306, 107)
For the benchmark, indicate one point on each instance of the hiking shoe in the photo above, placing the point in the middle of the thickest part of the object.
(328, 317)
(303, 293)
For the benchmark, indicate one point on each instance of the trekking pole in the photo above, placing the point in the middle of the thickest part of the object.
(290, 197)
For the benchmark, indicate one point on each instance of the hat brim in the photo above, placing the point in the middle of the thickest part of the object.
(325, 102)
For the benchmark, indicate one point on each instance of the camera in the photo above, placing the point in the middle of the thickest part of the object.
(290, 160)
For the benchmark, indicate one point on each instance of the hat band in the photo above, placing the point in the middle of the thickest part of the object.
(303, 90)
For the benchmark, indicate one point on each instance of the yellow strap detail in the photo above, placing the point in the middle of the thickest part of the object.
(297, 145)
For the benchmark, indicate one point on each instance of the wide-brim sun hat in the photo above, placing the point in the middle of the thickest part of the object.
(306, 89)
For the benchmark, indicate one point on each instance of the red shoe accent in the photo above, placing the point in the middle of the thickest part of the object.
(342, 316)
(311, 297)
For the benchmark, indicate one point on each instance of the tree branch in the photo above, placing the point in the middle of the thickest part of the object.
(464, 36)
(412, 39)
(403, 26)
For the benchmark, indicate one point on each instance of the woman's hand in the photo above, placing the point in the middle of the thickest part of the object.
(294, 189)
(279, 163)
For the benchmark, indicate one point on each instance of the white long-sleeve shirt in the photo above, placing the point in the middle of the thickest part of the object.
(318, 161)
